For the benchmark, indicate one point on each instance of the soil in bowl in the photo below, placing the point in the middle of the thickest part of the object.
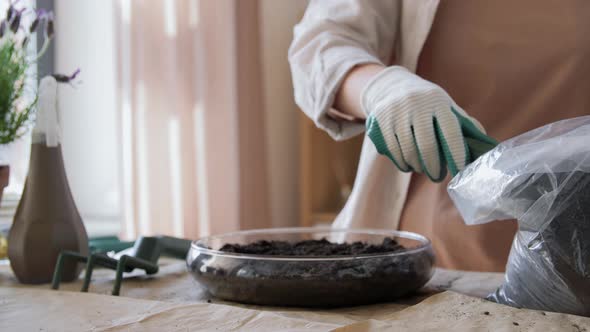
(369, 277)
(312, 248)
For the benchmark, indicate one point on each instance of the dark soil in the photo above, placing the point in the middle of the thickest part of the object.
(548, 269)
(321, 247)
(313, 283)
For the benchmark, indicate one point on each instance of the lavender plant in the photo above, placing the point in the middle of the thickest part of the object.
(16, 104)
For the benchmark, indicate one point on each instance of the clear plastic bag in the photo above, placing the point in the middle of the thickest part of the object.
(542, 179)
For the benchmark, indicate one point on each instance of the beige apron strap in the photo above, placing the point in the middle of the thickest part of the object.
(378, 195)
(413, 30)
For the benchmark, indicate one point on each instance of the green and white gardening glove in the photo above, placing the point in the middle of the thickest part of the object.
(417, 125)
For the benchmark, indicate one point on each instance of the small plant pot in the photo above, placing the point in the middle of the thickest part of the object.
(4, 175)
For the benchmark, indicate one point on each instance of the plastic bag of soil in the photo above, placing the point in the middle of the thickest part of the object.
(542, 179)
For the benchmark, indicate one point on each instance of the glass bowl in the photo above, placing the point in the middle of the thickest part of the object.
(330, 281)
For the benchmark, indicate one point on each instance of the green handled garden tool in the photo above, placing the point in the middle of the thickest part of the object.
(143, 254)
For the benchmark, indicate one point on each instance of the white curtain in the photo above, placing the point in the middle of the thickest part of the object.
(191, 118)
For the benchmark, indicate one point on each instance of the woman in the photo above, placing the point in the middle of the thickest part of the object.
(410, 68)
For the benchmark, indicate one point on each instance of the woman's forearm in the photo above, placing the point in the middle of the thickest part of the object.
(348, 98)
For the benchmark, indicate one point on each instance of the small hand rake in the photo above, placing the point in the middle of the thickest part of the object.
(143, 255)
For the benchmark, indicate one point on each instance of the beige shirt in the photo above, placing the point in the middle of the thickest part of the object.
(333, 37)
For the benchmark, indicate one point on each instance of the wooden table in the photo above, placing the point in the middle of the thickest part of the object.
(172, 301)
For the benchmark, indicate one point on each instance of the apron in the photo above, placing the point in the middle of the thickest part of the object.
(514, 66)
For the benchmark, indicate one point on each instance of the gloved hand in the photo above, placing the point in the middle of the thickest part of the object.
(419, 127)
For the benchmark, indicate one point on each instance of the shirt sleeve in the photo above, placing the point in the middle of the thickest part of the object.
(333, 37)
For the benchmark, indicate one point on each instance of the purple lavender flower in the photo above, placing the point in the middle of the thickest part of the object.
(41, 16)
(49, 30)
(15, 24)
(10, 12)
(42, 12)
(61, 78)
(34, 25)
(2, 28)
